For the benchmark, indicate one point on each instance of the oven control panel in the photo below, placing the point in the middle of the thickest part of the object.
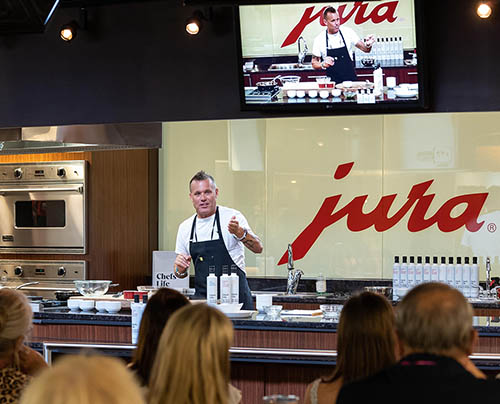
(54, 171)
(42, 271)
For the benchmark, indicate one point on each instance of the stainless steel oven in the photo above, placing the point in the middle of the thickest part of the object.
(43, 207)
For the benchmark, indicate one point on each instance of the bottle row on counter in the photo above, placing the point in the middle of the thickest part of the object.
(228, 282)
(386, 51)
(408, 273)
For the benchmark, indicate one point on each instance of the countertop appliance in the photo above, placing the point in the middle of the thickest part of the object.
(43, 207)
(48, 277)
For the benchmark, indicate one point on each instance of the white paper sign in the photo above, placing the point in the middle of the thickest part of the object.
(163, 271)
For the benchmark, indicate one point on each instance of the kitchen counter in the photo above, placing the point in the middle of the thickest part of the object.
(485, 325)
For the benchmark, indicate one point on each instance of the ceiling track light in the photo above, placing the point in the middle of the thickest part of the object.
(195, 23)
(484, 9)
(68, 31)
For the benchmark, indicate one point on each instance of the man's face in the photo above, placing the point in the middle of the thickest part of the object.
(332, 22)
(204, 197)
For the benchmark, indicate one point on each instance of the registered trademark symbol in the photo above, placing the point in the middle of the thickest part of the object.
(492, 227)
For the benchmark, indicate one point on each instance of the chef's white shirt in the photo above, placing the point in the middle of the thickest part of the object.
(203, 232)
(335, 42)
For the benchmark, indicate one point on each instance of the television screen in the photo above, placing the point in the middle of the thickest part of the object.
(342, 56)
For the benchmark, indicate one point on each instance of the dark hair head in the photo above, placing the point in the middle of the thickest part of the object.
(327, 10)
(156, 314)
(202, 176)
(366, 339)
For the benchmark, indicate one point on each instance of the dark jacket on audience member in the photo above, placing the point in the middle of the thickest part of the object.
(422, 379)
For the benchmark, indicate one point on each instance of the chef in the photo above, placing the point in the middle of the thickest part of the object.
(332, 48)
(213, 236)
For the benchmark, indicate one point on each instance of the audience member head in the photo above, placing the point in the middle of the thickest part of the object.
(366, 339)
(84, 380)
(192, 362)
(156, 314)
(435, 318)
(15, 321)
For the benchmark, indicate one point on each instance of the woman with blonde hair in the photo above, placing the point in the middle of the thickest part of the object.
(366, 344)
(17, 362)
(192, 361)
(84, 380)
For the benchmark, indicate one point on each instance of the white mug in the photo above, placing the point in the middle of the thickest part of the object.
(391, 82)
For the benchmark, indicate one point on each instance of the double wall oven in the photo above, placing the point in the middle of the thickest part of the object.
(43, 207)
(43, 210)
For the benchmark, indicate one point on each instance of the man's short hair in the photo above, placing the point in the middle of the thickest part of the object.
(202, 176)
(434, 318)
(329, 9)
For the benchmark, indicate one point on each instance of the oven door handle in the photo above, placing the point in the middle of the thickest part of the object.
(77, 188)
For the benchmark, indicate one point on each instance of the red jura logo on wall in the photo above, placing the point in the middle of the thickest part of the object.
(357, 220)
(385, 11)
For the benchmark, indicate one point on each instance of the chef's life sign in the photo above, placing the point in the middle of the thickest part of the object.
(163, 271)
(273, 30)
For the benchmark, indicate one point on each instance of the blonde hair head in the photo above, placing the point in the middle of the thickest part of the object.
(15, 318)
(84, 380)
(435, 318)
(192, 361)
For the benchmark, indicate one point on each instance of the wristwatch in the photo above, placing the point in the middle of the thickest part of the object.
(242, 237)
(180, 275)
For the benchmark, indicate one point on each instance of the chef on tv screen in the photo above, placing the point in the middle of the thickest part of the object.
(342, 53)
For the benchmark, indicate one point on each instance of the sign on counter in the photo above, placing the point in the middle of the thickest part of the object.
(163, 271)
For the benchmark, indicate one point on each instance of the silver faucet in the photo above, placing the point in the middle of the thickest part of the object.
(294, 275)
(303, 52)
(488, 276)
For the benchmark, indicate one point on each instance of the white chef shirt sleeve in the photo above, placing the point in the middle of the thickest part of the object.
(182, 242)
(319, 46)
(351, 38)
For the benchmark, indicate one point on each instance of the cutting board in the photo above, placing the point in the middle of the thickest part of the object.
(106, 298)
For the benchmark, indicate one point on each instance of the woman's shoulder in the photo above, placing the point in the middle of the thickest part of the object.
(12, 382)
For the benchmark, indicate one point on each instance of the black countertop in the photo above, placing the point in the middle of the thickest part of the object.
(485, 325)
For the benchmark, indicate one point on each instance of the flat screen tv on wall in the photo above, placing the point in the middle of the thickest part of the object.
(341, 57)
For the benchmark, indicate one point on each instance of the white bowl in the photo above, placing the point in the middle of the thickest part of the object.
(312, 93)
(301, 93)
(336, 92)
(324, 93)
(74, 304)
(229, 307)
(347, 83)
(291, 93)
(100, 306)
(86, 305)
(113, 307)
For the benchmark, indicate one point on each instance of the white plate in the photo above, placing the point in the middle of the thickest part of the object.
(240, 314)
(409, 94)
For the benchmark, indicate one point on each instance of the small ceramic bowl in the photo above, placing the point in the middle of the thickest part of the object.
(86, 305)
(347, 84)
(100, 306)
(312, 93)
(291, 93)
(336, 92)
(113, 307)
(229, 307)
(273, 310)
(324, 94)
(301, 93)
(74, 304)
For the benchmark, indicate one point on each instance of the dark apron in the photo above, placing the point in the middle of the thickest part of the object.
(214, 252)
(343, 68)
